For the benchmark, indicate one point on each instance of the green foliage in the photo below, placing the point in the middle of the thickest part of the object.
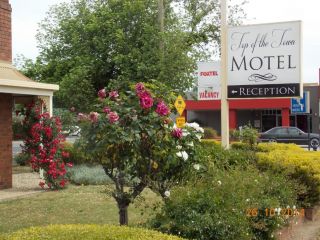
(211, 155)
(87, 175)
(85, 44)
(216, 206)
(84, 232)
(22, 159)
(209, 133)
(17, 127)
(68, 119)
(247, 134)
(300, 165)
(76, 154)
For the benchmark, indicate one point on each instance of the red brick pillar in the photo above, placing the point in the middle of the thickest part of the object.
(285, 117)
(6, 103)
(5, 31)
(232, 119)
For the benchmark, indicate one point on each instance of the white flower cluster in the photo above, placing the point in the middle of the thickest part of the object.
(183, 155)
(195, 126)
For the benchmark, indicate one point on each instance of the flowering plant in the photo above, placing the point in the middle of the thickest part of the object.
(43, 144)
(133, 137)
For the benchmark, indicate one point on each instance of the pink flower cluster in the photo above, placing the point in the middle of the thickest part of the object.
(162, 109)
(102, 94)
(177, 133)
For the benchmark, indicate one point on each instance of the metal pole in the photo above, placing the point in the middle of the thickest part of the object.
(308, 117)
(224, 77)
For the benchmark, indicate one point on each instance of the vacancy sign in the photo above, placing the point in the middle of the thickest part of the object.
(264, 61)
(209, 85)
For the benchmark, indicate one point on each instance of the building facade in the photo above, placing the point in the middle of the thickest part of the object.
(262, 114)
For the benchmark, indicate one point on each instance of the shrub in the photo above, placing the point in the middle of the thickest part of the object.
(17, 127)
(216, 206)
(211, 155)
(76, 154)
(84, 232)
(247, 134)
(22, 159)
(298, 164)
(87, 175)
(209, 133)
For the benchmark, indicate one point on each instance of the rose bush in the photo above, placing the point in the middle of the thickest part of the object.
(132, 136)
(43, 143)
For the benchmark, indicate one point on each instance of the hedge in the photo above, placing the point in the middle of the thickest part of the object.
(300, 165)
(85, 232)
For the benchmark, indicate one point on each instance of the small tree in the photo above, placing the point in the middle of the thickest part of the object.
(134, 139)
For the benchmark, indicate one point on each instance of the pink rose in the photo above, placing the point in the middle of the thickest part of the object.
(146, 102)
(113, 117)
(177, 133)
(94, 116)
(143, 94)
(82, 117)
(102, 93)
(139, 87)
(113, 94)
(106, 110)
(162, 109)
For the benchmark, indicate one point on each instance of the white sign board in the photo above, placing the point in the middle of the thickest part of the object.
(209, 85)
(264, 60)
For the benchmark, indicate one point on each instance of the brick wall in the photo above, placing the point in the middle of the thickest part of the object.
(6, 102)
(5, 31)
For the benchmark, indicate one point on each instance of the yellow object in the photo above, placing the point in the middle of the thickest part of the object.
(180, 104)
(180, 121)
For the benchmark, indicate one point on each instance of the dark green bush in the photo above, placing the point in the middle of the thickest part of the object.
(76, 155)
(209, 133)
(215, 207)
(22, 159)
(86, 232)
(17, 127)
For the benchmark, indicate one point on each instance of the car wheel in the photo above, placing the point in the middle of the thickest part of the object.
(314, 143)
(272, 140)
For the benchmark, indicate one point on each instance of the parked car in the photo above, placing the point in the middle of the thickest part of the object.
(290, 135)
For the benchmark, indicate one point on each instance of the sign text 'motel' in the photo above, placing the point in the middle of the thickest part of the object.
(264, 60)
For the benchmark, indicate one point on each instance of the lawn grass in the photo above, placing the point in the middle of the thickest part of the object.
(76, 204)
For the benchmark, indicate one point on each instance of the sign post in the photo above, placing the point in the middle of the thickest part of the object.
(180, 105)
(224, 77)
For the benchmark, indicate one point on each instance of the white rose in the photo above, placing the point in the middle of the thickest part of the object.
(190, 144)
(167, 193)
(219, 182)
(183, 155)
(179, 147)
(196, 166)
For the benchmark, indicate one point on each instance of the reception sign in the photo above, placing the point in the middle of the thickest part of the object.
(209, 85)
(264, 60)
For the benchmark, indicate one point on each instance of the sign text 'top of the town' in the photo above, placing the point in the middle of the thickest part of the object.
(264, 60)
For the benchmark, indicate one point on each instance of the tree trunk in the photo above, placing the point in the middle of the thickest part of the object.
(123, 215)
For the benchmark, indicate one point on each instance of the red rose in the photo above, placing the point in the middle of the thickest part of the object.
(177, 133)
(162, 109)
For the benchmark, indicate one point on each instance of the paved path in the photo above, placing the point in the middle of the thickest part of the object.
(24, 184)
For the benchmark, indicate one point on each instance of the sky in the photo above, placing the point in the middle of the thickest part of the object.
(27, 14)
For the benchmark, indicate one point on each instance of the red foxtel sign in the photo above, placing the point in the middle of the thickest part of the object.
(209, 85)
